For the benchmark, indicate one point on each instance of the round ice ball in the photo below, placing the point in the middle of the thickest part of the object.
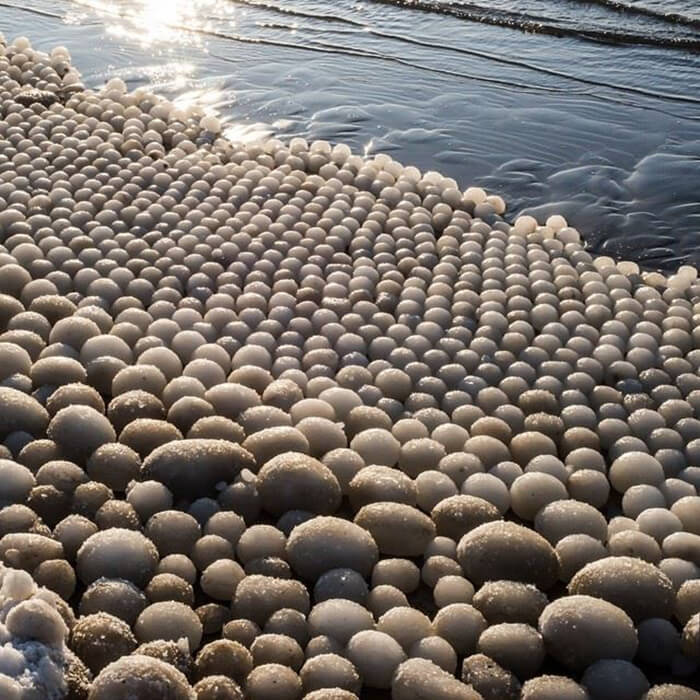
(117, 553)
(635, 468)
(636, 586)
(376, 656)
(169, 620)
(504, 550)
(79, 431)
(273, 682)
(579, 630)
(293, 480)
(329, 671)
(34, 619)
(139, 677)
(101, 639)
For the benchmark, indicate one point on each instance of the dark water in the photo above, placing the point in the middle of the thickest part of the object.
(589, 108)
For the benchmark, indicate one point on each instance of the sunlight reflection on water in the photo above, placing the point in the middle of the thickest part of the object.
(163, 24)
(166, 26)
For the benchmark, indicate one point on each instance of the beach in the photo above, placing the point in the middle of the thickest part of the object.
(289, 418)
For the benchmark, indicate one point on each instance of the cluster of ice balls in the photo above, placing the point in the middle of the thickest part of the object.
(35, 662)
(283, 422)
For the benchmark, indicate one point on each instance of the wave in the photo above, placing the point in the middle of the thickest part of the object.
(31, 10)
(402, 38)
(644, 11)
(545, 25)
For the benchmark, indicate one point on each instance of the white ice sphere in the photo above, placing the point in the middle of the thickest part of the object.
(556, 222)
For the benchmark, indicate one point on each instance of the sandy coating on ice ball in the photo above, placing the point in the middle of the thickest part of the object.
(271, 648)
(242, 631)
(398, 529)
(325, 543)
(273, 682)
(419, 678)
(578, 630)
(257, 597)
(504, 550)
(329, 671)
(138, 677)
(26, 550)
(669, 691)
(515, 646)
(489, 679)
(635, 586)
(457, 515)
(217, 688)
(165, 587)
(101, 639)
(690, 639)
(114, 465)
(58, 576)
(296, 481)
(376, 483)
(553, 688)
(195, 467)
(561, 518)
(133, 405)
(117, 553)
(225, 657)
(169, 620)
(687, 600)
(330, 694)
(144, 435)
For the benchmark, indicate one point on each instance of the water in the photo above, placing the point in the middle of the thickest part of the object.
(589, 108)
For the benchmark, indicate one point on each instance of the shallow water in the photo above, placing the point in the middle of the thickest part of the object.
(591, 109)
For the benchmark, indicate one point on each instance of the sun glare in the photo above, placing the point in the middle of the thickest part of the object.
(163, 23)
